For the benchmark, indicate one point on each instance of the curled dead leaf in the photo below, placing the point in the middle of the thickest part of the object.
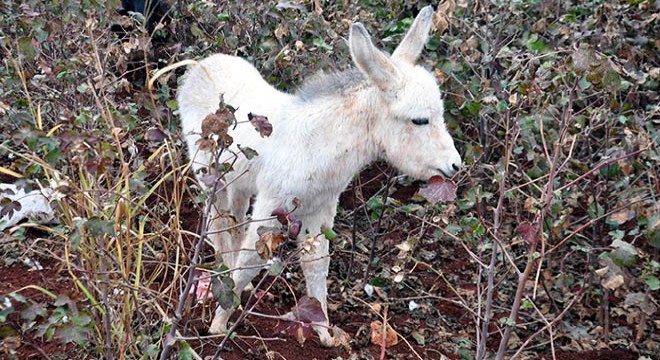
(383, 334)
(261, 124)
(613, 282)
(443, 14)
(267, 243)
(621, 217)
(217, 123)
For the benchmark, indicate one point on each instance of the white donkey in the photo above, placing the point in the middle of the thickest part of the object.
(388, 108)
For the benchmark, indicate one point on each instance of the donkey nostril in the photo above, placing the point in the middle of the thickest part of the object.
(456, 167)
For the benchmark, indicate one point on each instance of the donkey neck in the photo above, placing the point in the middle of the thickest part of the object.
(335, 132)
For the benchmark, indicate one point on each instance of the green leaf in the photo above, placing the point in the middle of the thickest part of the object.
(223, 16)
(196, 31)
(609, 171)
(222, 288)
(4, 313)
(584, 83)
(502, 106)
(248, 152)
(320, 43)
(98, 227)
(18, 297)
(653, 282)
(276, 267)
(328, 233)
(82, 88)
(185, 351)
(624, 253)
(34, 310)
(72, 333)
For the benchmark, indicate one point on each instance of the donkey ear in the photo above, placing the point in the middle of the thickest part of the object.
(372, 62)
(414, 41)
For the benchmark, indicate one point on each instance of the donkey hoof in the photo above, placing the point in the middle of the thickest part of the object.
(217, 329)
(327, 340)
(218, 326)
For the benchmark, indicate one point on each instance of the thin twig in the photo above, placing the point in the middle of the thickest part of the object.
(377, 234)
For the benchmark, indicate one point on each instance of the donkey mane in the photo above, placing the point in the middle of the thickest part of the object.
(325, 84)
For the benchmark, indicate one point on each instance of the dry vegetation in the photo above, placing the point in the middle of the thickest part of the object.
(551, 245)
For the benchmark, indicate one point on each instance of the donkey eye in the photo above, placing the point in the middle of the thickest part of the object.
(420, 121)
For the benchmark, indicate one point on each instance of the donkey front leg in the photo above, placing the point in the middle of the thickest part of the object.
(315, 265)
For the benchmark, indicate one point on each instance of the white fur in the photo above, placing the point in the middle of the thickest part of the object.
(319, 141)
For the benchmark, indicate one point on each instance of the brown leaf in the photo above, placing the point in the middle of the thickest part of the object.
(267, 243)
(217, 123)
(154, 134)
(443, 14)
(613, 282)
(439, 189)
(529, 232)
(281, 31)
(205, 144)
(300, 335)
(529, 205)
(583, 58)
(261, 123)
(341, 337)
(389, 338)
(621, 217)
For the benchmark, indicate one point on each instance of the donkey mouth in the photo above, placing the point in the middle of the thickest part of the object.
(444, 173)
(448, 173)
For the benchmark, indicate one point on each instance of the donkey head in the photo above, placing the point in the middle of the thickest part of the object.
(409, 126)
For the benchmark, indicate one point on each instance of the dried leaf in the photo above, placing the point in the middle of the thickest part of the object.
(341, 337)
(613, 282)
(583, 58)
(529, 205)
(418, 335)
(281, 215)
(443, 14)
(8, 207)
(301, 334)
(202, 291)
(281, 31)
(529, 232)
(383, 335)
(294, 229)
(622, 216)
(267, 243)
(309, 310)
(155, 135)
(261, 124)
(439, 189)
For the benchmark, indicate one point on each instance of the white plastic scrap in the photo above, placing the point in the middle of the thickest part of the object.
(34, 204)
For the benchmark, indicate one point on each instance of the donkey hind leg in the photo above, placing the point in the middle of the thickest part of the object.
(246, 265)
(315, 269)
(226, 231)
